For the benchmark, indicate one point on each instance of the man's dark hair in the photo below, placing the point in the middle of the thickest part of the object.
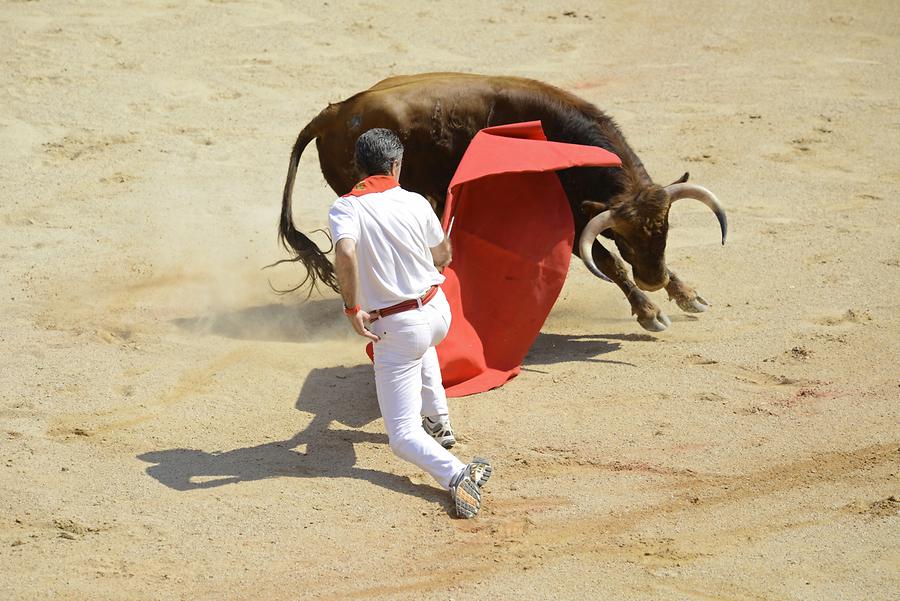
(376, 151)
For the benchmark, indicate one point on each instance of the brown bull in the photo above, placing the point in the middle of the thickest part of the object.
(437, 114)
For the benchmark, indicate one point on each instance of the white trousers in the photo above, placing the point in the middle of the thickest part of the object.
(408, 383)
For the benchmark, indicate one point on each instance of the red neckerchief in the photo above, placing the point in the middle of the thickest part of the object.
(373, 183)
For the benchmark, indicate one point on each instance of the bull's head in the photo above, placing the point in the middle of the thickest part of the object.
(640, 223)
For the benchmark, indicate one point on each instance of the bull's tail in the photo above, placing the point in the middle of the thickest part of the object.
(302, 249)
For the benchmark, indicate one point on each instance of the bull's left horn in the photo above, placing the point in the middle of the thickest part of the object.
(595, 227)
(700, 193)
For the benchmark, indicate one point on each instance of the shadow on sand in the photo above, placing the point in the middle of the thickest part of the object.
(561, 348)
(334, 396)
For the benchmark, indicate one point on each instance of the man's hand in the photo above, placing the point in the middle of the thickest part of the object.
(359, 321)
(442, 254)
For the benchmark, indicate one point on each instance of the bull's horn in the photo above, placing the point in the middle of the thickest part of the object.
(596, 226)
(700, 193)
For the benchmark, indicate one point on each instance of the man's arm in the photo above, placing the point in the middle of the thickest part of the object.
(346, 270)
(442, 254)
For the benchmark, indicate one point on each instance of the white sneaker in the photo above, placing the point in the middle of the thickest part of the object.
(440, 429)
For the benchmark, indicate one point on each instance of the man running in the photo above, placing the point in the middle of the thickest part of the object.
(389, 251)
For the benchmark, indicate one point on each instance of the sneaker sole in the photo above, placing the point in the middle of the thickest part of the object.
(467, 498)
(481, 471)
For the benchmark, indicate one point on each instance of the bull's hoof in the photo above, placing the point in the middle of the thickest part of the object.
(696, 304)
(656, 323)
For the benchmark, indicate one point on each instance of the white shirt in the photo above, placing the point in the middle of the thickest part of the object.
(394, 231)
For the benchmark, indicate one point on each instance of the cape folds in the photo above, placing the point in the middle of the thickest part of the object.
(512, 230)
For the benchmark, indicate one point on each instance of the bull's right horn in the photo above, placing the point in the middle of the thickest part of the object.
(595, 227)
(700, 193)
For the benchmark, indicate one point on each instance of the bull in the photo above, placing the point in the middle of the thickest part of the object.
(436, 115)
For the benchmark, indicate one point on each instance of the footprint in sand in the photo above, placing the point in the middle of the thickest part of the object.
(85, 144)
(857, 316)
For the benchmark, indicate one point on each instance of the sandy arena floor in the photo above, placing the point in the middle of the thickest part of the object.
(171, 429)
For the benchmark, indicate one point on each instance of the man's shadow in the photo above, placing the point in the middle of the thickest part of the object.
(335, 396)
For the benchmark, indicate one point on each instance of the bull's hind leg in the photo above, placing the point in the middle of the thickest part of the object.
(648, 314)
(686, 297)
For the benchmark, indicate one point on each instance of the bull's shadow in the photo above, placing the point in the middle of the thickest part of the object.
(322, 319)
(561, 348)
(335, 396)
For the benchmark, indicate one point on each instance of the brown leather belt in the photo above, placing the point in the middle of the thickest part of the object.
(407, 305)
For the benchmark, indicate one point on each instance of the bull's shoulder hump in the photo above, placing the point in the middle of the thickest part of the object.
(440, 82)
(427, 79)
(404, 91)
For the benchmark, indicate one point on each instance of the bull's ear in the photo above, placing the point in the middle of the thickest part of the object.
(682, 179)
(589, 207)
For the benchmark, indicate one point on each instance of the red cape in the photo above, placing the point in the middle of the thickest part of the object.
(512, 234)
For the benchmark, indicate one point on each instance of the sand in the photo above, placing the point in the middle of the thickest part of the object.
(171, 429)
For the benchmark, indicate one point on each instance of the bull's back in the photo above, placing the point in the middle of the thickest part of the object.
(436, 115)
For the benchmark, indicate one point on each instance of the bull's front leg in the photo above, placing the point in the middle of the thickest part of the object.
(648, 314)
(686, 297)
